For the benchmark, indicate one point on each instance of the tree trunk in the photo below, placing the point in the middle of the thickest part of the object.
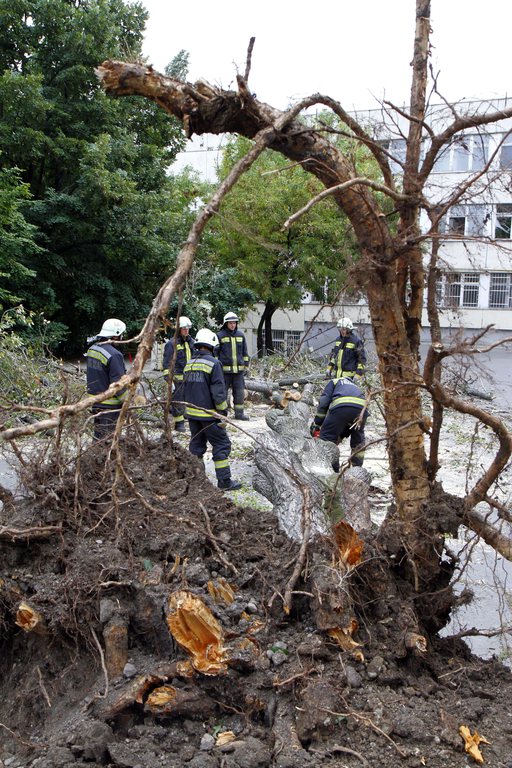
(264, 334)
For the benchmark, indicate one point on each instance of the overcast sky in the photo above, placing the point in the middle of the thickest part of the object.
(356, 51)
(352, 50)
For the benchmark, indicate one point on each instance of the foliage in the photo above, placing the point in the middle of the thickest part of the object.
(16, 237)
(106, 213)
(27, 376)
(312, 255)
(210, 293)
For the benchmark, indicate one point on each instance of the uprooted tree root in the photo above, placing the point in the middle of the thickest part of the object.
(106, 554)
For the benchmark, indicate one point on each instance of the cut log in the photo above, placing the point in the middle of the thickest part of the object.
(264, 387)
(281, 399)
(288, 461)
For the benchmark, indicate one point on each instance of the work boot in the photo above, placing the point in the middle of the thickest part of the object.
(242, 417)
(229, 485)
(180, 426)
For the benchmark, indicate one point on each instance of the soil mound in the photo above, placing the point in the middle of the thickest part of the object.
(106, 555)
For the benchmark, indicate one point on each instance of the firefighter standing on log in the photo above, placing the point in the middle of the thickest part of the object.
(205, 396)
(184, 347)
(348, 357)
(234, 359)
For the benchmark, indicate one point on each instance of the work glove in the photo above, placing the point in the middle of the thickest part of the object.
(314, 430)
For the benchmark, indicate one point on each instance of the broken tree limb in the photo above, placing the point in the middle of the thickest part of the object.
(288, 461)
(135, 691)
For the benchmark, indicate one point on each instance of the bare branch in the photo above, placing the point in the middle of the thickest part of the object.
(249, 57)
(490, 533)
(339, 188)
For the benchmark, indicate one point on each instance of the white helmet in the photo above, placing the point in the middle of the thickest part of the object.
(206, 338)
(184, 322)
(112, 328)
(345, 322)
(230, 317)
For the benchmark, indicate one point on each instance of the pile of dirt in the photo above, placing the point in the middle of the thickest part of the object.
(100, 679)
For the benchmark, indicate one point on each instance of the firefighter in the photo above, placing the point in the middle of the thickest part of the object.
(183, 346)
(348, 357)
(205, 396)
(234, 360)
(105, 364)
(342, 413)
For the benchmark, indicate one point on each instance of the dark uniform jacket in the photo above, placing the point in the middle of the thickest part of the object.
(105, 364)
(184, 350)
(348, 356)
(337, 394)
(204, 387)
(233, 354)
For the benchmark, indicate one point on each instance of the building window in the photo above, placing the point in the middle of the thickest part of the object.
(397, 150)
(503, 227)
(500, 290)
(458, 289)
(465, 153)
(285, 342)
(506, 153)
(465, 220)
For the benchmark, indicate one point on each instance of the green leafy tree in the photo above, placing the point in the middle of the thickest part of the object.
(96, 168)
(209, 293)
(16, 238)
(313, 255)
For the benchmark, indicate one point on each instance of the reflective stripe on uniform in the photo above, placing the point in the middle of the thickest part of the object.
(102, 356)
(204, 367)
(204, 413)
(221, 464)
(234, 355)
(347, 401)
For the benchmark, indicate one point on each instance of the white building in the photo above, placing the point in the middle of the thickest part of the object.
(475, 248)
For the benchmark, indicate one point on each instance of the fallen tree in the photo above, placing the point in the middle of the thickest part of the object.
(391, 267)
(126, 519)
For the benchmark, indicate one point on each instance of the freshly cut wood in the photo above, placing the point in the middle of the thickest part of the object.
(281, 399)
(29, 619)
(169, 701)
(196, 629)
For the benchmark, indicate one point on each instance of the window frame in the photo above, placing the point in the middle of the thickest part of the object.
(474, 147)
(455, 289)
(474, 225)
(505, 290)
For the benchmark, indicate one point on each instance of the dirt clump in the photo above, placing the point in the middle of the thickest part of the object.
(117, 550)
